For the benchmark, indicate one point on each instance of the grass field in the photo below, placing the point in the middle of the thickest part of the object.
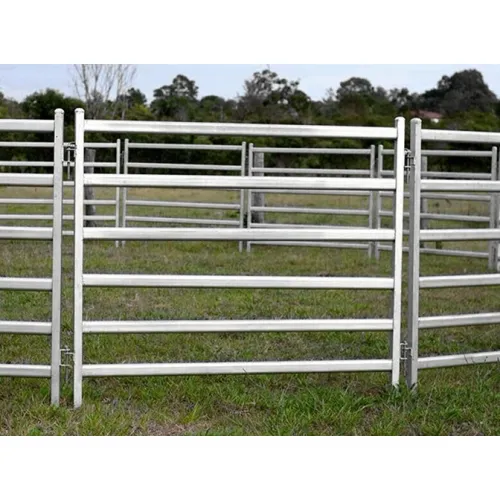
(449, 401)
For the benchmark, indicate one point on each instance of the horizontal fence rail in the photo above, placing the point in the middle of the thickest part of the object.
(20, 179)
(257, 208)
(213, 220)
(235, 183)
(445, 191)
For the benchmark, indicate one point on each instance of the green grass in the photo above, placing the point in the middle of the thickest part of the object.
(449, 401)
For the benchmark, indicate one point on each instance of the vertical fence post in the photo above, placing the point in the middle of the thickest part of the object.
(378, 204)
(90, 209)
(424, 202)
(494, 215)
(117, 193)
(411, 358)
(124, 189)
(397, 258)
(259, 199)
(79, 200)
(372, 203)
(242, 192)
(57, 230)
(496, 153)
(249, 193)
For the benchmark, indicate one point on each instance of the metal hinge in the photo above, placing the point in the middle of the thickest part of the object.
(405, 351)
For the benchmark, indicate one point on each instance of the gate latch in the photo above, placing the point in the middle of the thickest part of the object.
(409, 164)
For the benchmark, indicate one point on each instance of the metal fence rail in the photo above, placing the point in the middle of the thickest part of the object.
(197, 221)
(54, 234)
(236, 183)
(426, 215)
(15, 165)
(419, 186)
(256, 154)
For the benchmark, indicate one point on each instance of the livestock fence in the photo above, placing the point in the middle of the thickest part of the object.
(375, 212)
(487, 204)
(403, 349)
(236, 183)
(223, 210)
(420, 187)
(54, 234)
(257, 206)
(24, 166)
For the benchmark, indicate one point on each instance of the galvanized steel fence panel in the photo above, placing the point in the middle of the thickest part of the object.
(254, 207)
(419, 186)
(197, 221)
(53, 234)
(426, 215)
(115, 165)
(81, 279)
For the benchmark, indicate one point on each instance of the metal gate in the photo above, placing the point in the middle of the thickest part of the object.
(54, 234)
(419, 186)
(81, 280)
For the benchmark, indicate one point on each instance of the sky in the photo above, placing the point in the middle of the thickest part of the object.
(226, 80)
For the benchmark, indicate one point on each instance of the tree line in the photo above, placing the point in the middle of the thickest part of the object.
(462, 101)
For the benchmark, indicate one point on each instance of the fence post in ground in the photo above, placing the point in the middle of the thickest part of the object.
(424, 202)
(411, 345)
(124, 189)
(373, 202)
(57, 228)
(379, 198)
(258, 198)
(117, 190)
(248, 218)
(494, 214)
(89, 195)
(242, 191)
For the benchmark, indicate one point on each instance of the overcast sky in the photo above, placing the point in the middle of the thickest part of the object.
(17, 81)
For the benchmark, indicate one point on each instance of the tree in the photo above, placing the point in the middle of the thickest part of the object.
(359, 97)
(41, 105)
(464, 91)
(176, 101)
(100, 85)
(268, 98)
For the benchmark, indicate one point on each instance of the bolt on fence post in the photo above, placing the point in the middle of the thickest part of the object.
(57, 230)
(411, 361)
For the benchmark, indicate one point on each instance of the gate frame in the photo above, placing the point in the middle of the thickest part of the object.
(395, 235)
(54, 234)
(412, 362)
